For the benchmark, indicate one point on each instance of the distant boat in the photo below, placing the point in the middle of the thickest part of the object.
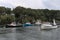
(49, 25)
(38, 22)
(13, 24)
(27, 24)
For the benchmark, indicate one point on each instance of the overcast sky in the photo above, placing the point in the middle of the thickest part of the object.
(35, 4)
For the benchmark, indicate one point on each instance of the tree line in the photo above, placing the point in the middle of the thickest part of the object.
(23, 15)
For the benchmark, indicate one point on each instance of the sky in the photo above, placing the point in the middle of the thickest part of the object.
(34, 4)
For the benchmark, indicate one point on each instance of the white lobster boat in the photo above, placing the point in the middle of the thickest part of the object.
(48, 25)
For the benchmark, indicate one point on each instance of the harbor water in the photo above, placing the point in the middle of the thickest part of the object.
(30, 33)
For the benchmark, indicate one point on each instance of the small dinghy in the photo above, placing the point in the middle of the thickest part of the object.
(27, 24)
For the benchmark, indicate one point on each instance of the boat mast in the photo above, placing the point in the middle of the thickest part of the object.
(54, 23)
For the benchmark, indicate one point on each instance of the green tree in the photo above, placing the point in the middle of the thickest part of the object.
(8, 10)
(2, 10)
(6, 19)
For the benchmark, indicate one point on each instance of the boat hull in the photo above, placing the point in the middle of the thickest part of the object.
(26, 25)
(49, 25)
(7, 26)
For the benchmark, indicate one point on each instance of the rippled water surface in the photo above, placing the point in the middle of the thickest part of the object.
(30, 33)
